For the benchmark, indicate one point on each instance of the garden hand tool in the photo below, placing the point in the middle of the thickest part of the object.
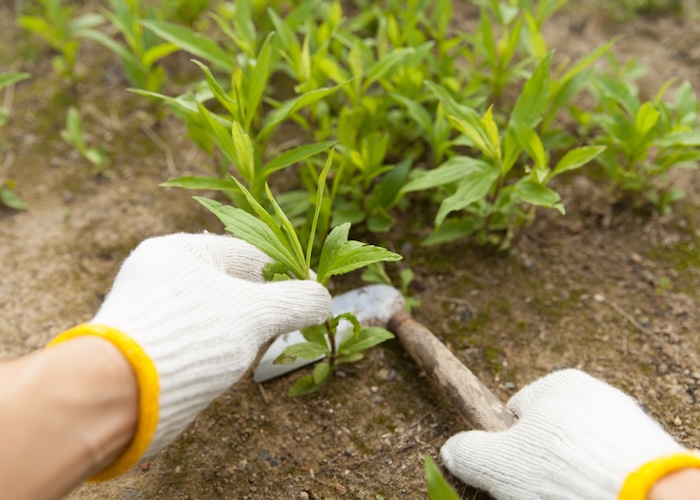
(383, 305)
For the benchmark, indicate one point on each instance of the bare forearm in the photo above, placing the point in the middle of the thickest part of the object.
(65, 413)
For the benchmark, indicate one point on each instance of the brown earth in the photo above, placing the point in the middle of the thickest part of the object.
(605, 289)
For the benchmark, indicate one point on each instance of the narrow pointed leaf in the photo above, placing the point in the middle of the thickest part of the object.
(334, 242)
(195, 43)
(251, 229)
(294, 155)
(195, 182)
(577, 158)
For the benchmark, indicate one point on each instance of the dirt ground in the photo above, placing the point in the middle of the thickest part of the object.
(606, 289)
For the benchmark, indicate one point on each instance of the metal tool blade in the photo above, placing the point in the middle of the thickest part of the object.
(373, 305)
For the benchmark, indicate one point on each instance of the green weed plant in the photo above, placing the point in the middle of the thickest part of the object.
(645, 140)
(8, 187)
(276, 236)
(74, 135)
(55, 22)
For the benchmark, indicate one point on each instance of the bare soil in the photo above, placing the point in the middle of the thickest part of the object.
(607, 289)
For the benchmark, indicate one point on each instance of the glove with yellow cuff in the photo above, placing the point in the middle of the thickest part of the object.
(190, 313)
(576, 438)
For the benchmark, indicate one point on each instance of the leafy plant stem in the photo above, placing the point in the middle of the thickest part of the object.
(331, 339)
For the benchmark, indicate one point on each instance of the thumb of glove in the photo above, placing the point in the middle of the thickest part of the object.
(290, 305)
(476, 457)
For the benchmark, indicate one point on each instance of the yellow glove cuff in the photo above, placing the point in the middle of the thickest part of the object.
(149, 389)
(639, 483)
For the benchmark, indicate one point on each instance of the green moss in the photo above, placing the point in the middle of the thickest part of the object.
(493, 355)
(361, 445)
(385, 422)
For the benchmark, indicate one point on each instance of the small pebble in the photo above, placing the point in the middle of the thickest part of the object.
(264, 455)
(599, 297)
(509, 385)
(393, 375)
(178, 469)
(274, 462)
(677, 421)
(145, 465)
(374, 389)
(348, 452)
(303, 496)
(378, 400)
(241, 465)
(341, 374)
(340, 489)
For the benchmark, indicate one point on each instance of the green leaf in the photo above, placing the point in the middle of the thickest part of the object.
(355, 255)
(304, 385)
(260, 234)
(334, 242)
(11, 199)
(577, 158)
(193, 42)
(293, 105)
(620, 93)
(530, 141)
(316, 334)
(451, 171)
(350, 317)
(645, 119)
(418, 112)
(385, 64)
(221, 95)
(10, 78)
(368, 337)
(349, 358)
(531, 103)
(473, 187)
(291, 235)
(438, 487)
(687, 138)
(223, 140)
(154, 54)
(244, 154)
(317, 210)
(305, 350)
(294, 155)
(275, 271)
(195, 182)
(322, 370)
(451, 229)
(258, 81)
(108, 42)
(537, 194)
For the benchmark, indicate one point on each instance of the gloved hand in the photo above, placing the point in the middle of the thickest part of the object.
(576, 438)
(190, 313)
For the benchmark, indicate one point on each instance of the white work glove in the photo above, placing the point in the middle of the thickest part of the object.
(190, 313)
(576, 438)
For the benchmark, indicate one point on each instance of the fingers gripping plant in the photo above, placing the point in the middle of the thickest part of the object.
(275, 235)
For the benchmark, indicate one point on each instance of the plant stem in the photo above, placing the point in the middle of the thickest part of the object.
(331, 337)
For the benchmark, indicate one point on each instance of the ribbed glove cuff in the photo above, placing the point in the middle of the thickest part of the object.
(149, 390)
(639, 483)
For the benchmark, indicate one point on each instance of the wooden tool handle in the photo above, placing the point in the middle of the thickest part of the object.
(472, 399)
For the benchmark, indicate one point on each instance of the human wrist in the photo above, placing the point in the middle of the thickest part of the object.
(144, 379)
(659, 479)
(683, 483)
(70, 411)
(105, 400)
